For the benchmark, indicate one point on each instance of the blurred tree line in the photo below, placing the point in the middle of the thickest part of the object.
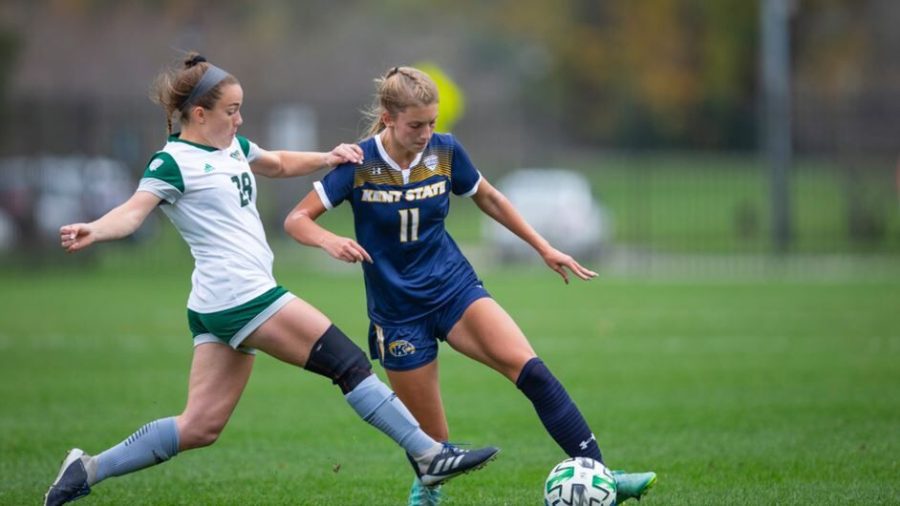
(684, 73)
(625, 73)
(546, 83)
(9, 45)
(648, 73)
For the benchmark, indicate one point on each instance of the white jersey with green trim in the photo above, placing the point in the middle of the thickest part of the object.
(209, 194)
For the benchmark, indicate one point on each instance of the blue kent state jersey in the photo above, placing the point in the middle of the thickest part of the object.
(399, 218)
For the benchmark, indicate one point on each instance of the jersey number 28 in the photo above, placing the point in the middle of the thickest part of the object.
(244, 186)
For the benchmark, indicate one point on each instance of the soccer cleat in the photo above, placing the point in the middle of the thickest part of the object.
(420, 495)
(450, 462)
(71, 482)
(632, 485)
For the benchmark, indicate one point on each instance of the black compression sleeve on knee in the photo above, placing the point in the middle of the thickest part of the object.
(335, 356)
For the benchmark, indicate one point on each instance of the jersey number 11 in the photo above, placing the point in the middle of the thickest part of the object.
(409, 224)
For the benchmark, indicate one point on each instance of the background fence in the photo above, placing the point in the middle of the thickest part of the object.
(666, 128)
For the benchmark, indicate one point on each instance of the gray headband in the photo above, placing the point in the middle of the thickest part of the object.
(210, 79)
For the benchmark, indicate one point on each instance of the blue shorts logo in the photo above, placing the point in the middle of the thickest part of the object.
(401, 348)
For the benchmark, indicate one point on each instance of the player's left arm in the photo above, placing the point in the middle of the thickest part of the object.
(493, 203)
(300, 163)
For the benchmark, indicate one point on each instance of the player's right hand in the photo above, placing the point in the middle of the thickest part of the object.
(346, 249)
(75, 237)
(343, 153)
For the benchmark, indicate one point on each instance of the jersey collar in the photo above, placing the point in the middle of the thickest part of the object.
(390, 161)
(176, 137)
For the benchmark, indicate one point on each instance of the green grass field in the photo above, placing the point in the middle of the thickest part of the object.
(753, 392)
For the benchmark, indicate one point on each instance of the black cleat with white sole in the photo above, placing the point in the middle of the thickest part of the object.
(71, 482)
(451, 462)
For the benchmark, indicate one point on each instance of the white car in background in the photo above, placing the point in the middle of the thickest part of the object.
(559, 204)
(39, 194)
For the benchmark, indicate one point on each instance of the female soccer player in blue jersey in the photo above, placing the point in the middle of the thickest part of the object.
(203, 179)
(419, 286)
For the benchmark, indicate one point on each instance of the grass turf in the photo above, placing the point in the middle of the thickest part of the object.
(733, 392)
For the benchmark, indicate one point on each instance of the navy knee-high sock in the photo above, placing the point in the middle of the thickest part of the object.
(557, 412)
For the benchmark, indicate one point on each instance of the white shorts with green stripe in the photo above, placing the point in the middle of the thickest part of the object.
(231, 326)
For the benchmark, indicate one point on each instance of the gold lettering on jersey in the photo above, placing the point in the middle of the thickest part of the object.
(426, 192)
(387, 196)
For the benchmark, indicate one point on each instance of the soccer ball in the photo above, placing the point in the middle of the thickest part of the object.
(580, 481)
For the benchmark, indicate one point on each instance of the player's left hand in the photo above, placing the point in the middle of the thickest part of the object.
(344, 153)
(559, 262)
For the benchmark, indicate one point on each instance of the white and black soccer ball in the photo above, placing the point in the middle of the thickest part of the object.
(580, 481)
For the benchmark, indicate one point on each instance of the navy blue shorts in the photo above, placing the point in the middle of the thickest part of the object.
(414, 344)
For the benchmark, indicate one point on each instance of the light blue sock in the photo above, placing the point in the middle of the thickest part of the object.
(381, 408)
(152, 444)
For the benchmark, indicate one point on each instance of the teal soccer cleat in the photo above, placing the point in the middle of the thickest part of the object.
(420, 495)
(632, 485)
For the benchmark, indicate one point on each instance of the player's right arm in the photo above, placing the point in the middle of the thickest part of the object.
(300, 163)
(116, 224)
(301, 225)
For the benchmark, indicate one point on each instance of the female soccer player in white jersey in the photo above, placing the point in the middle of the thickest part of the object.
(420, 288)
(203, 180)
